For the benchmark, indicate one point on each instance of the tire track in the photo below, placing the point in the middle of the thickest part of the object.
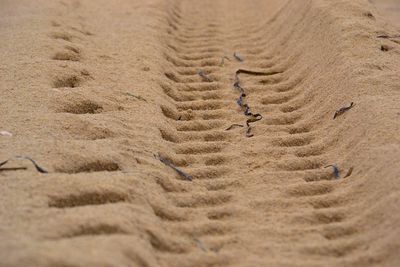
(198, 115)
(291, 141)
(259, 198)
(307, 157)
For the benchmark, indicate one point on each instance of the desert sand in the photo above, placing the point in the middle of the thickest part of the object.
(200, 133)
(390, 9)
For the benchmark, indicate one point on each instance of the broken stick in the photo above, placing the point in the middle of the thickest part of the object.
(342, 110)
(38, 168)
(169, 164)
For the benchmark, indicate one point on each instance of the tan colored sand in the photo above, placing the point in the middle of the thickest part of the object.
(390, 10)
(92, 90)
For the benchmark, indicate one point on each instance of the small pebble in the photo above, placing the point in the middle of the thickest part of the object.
(5, 133)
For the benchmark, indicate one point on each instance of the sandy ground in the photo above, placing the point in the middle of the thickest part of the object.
(390, 9)
(143, 166)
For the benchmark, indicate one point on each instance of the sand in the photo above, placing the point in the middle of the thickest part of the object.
(106, 97)
(390, 9)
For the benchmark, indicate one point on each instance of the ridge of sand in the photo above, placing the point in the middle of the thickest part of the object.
(92, 90)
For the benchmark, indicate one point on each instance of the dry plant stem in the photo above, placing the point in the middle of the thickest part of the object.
(336, 171)
(223, 60)
(256, 73)
(233, 126)
(204, 76)
(342, 110)
(237, 57)
(169, 164)
(37, 167)
(349, 172)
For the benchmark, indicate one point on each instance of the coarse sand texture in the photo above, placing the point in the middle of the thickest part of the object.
(199, 133)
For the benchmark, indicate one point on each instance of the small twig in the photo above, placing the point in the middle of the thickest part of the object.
(257, 73)
(342, 110)
(223, 60)
(248, 132)
(349, 172)
(238, 87)
(233, 126)
(254, 118)
(239, 101)
(13, 169)
(169, 164)
(200, 244)
(238, 57)
(336, 171)
(136, 96)
(237, 84)
(385, 36)
(38, 168)
(392, 38)
(204, 76)
(246, 110)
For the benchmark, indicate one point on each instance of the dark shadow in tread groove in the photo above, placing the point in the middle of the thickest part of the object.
(91, 230)
(82, 107)
(94, 166)
(85, 199)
